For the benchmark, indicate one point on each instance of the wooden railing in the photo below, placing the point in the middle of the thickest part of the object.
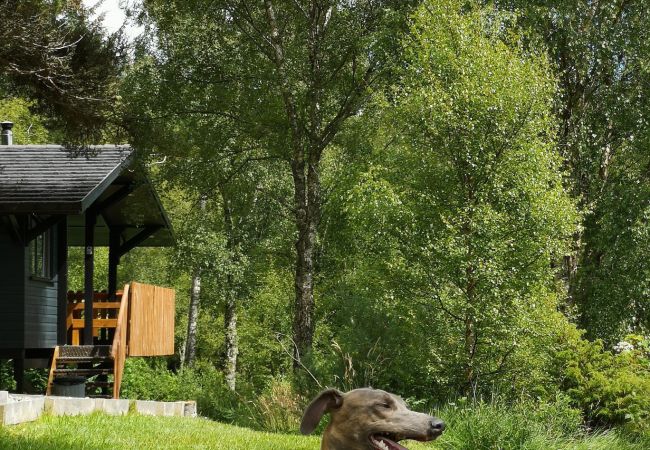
(119, 349)
(50, 378)
(105, 311)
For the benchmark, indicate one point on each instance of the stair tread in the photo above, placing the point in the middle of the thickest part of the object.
(95, 371)
(84, 351)
(99, 384)
(84, 365)
(83, 358)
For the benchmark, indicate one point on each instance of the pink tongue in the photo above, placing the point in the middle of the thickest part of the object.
(390, 444)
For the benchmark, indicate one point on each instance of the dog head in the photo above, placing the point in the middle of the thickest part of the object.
(368, 419)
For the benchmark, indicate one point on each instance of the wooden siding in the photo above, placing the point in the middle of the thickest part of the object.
(40, 307)
(12, 290)
(28, 307)
(151, 328)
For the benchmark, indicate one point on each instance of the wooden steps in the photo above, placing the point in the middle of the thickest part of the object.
(92, 362)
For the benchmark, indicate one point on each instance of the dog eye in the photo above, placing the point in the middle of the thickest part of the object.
(384, 405)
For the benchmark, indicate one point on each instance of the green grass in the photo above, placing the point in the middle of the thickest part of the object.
(99, 431)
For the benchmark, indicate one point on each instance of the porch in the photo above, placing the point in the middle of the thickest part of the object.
(135, 321)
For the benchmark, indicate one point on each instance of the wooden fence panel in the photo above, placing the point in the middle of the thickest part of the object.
(151, 325)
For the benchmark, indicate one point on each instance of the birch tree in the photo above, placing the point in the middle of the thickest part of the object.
(599, 50)
(288, 75)
(455, 206)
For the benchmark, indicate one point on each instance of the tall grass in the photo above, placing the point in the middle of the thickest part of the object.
(526, 425)
(278, 409)
(498, 423)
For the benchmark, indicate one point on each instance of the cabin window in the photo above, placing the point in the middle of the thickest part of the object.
(40, 256)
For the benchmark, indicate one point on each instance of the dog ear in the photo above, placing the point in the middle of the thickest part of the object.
(328, 400)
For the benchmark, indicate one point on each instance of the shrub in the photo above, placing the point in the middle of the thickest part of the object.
(526, 424)
(35, 379)
(611, 389)
(7, 382)
(277, 408)
(151, 380)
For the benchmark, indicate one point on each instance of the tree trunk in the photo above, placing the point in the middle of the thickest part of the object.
(307, 200)
(193, 313)
(470, 346)
(303, 327)
(309, 137)
(470, 337)
(232, 348)
(193, 319)
(470, 322)
(230, 313)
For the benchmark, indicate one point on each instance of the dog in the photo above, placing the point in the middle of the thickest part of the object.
(368, 419)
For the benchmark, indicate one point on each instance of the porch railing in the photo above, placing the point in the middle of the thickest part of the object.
(105, 312)
(119, 349)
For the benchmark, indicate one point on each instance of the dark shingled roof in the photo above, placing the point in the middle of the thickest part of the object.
(51, 180)
(47, 178)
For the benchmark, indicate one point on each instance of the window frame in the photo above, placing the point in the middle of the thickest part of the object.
(41, 257)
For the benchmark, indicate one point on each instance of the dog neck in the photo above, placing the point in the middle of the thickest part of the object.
(332, 440)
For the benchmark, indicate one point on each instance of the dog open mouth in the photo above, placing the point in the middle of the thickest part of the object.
(387, 441)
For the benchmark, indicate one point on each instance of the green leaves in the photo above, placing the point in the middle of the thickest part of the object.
(29, 128)
(459, 207)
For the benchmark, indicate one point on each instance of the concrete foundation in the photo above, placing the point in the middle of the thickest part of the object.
(19, 409)
(69, 406)
(16, 409)
(112, 406)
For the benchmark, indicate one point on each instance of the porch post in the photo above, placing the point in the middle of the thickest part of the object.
(62, 281)
(89, 269)
(113, 260)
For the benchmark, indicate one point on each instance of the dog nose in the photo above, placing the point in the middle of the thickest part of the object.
(437, 425)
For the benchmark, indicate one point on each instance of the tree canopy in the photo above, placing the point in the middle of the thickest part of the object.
(52, 53)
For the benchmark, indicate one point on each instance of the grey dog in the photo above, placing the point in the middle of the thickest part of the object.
(368, 419)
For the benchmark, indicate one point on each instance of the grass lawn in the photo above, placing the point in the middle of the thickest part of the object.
(100, 431)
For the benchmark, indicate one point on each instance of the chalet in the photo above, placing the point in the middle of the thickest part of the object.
(51, 200)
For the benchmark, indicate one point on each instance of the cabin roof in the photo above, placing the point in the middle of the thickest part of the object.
(50, 179)
(54, 180)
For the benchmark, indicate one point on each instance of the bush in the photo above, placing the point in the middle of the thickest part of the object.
(500, 424)
(151, 380)
(612, 389)
(278, 408)
(7, 382)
